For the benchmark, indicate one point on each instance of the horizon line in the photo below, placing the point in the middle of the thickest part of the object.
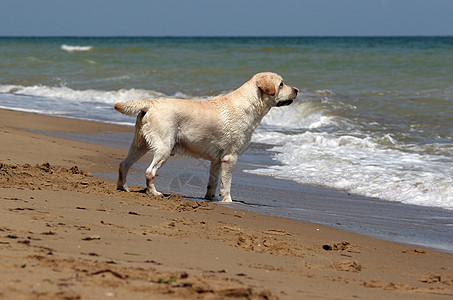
(220, 36)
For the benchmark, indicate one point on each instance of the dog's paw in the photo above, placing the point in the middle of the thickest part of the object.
(124, 188)
(211, 197)
(154, 193)
(214, 198)
(227, 199)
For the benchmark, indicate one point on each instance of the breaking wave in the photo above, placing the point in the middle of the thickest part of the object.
(69, 48)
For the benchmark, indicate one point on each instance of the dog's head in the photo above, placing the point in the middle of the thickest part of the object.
(273, 89)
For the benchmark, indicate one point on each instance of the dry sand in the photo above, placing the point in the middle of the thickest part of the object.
(65, 234)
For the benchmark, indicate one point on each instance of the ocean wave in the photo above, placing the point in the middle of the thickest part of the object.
(324, 92)
(90, 95)
(36, 111)
(304, 114)
(361, 166)
(69, 48)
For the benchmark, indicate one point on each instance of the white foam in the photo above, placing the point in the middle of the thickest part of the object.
(361, 166)
(298, 115)
(75, 48)
(303, 114)
(37, 111)
(350, 160)
(88, 104)
(324, 92)
(89, 95)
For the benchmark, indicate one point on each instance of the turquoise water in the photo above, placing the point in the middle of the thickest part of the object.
(374, 116)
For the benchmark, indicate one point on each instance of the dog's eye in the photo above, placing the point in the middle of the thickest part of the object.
(281, 84)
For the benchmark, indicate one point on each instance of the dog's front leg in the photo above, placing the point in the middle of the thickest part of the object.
(213, 179)
(227, 165)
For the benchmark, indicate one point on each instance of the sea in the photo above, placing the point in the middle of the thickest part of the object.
(374, 115)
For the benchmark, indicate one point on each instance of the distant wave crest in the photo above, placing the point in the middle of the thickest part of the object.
(75, 48)
(85, 96)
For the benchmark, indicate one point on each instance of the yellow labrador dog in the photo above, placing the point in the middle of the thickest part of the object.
(218, 129)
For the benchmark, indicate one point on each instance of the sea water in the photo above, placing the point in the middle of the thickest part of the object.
(374, 115)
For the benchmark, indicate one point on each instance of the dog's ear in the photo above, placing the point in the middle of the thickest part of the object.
(266, 85)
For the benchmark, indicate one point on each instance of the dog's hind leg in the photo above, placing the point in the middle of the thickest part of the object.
(213, 180)
(159, 159)
(138, 148)
(135, 153)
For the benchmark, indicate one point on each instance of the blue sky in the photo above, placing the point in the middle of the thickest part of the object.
(225, 18)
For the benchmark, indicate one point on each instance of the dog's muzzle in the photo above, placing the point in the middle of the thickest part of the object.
(288, 102)
(284, 103)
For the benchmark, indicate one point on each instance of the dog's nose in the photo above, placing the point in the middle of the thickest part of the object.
(296, 90)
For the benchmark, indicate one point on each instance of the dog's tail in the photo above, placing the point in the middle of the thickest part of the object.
(133, 107)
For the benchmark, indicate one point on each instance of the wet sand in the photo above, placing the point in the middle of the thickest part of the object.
(66, 233)
(394, 221)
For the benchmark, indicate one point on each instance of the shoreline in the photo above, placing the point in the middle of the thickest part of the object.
(75, 235)
(393, 221)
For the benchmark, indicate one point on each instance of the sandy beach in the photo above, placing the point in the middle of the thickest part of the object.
(67, 234)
